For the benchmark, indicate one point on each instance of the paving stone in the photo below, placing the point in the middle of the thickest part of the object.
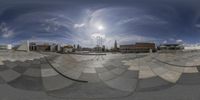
(190, 70)
(130, 74)
(72, 74)
(55, 82)
(134, 68)
(24, 64)
(123, 84)
(175, 68)
(3, 67)
(36, 62)
(20, 69)
(89, 70)
(11, 64)
(36, 66)
(153, 84)
(27, 83)
(9, 75)
(2, 81)
(189, 79)
(106, 76)
(110, 67)
(33, 72)
(171, 76)
(146, 72)
(45, 66)
(90, 77)
(101, 70)
(48, 72)
(118, 71)
(89, 90)
(159, 70)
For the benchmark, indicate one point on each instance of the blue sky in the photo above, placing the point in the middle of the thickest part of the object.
(81, 21)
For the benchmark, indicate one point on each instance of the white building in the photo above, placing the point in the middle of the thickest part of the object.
(68, 49)
(6, 47)
(24, 46)
(192, 47)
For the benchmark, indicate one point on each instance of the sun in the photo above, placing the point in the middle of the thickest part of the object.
(100, 27)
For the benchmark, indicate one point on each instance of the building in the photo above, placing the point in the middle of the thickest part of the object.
(192, 47)
(23, 47)
(127, 48)
(6, 47)
(171, 47)
(44, 47)
(115, 49)
(67, 49)
(32, 46)
(138, 48)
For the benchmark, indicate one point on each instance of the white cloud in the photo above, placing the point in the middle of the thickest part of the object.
(179, 41)
(6, 31)
(142, 20)
(164, 42)
(79, 25)
(197, 25)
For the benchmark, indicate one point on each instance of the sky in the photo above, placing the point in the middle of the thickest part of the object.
(83, 21)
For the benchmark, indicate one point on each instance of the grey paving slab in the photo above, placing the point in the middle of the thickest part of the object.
(27, 83)
(11, 64)
(123, 84)
(20, 69)
(2, 81)
(153, 84)
(176, 92)
(48, 72)
(130, 74)
(86, 91)
(24, 64)
(37, 66)
(43, 60)
(189, 79)
(33, 72)
(9, 75)
(107, 76)
(45, 66)
(36, 61)
(3, 67)
(55, 82)
(118, 71)
(90, 77)
(101, 70)
(110, 67)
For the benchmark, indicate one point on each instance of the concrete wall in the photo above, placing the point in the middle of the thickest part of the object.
(24, 46)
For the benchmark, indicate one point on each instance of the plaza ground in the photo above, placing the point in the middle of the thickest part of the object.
(53, 76)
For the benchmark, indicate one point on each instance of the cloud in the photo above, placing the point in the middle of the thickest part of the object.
(144, 19)
(79, 25)
(179, 41)
(6, 31)
(164, 42)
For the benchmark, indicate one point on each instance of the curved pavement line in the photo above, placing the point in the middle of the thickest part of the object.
(174, 64)
(82, 81)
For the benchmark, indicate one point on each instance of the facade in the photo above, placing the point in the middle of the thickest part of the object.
(115, 49)
(24, 47)
(44, 47)
(6, 47)
(171, 47)
(138, 48)
(67, 49)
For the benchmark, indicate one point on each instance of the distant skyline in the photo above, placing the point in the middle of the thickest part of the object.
(81, 21)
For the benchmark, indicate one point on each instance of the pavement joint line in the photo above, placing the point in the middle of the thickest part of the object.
(82, 81)
(174, 64)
